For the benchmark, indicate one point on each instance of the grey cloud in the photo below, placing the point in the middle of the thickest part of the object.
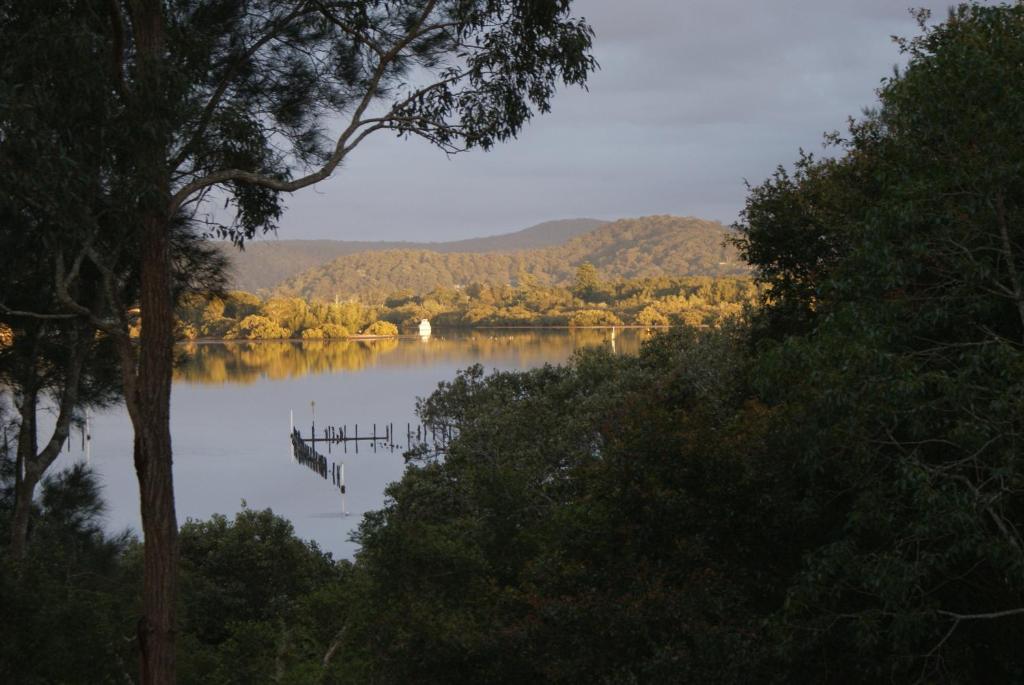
(693, 96)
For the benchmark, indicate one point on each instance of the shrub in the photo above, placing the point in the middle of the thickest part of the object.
(256, 327)
(381, 328)
(594, 317)
(649, 316)
(334, 331)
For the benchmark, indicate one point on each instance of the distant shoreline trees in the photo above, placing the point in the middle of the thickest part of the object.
(649, 302)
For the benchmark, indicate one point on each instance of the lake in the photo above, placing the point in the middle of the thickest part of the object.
(230, 410)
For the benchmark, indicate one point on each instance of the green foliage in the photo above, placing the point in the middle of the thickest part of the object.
(898, 323)
(594, 317)
(582, 526)
(248, 586)
(585, 282)
(381, 328)
(258, 604)
(68, 606)
(649, 316)
(334, 331)
(255, 327)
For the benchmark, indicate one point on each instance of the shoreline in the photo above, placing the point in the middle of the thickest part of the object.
(409, 336)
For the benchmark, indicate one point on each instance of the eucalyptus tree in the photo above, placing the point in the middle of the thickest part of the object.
(248, 100)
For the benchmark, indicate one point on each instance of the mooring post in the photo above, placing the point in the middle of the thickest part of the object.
(344, 509)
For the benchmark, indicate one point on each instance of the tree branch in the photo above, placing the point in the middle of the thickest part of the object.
(342, 146)
(222, 86)
(4, 309)
(983, 616)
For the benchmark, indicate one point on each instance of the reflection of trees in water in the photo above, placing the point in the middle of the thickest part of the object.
(247, 362)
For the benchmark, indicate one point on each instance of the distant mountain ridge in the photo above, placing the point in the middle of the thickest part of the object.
(628, 248)
(266, 264)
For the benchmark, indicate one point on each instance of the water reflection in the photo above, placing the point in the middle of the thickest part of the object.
(248, 362)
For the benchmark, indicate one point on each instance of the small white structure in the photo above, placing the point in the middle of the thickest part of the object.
(424, 327)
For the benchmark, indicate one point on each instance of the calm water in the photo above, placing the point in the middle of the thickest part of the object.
(230, 417)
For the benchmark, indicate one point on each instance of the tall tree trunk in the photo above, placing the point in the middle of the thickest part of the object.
(24, 485)
(153, 459)
(148, 392)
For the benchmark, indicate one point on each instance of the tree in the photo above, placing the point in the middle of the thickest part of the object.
(649, 316)
(66, 362)
(900, 373)
(249, 586)
(233, 97)
(586, 281)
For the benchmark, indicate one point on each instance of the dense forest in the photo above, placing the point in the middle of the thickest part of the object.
(590, 301)
(826, 488)
(625, 249)
(265, 264)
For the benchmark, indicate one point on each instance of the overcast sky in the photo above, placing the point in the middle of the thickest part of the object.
(693, 97)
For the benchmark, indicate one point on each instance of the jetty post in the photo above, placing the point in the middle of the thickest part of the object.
(341, 479)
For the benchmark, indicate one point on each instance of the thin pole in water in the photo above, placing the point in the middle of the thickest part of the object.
(344, 509)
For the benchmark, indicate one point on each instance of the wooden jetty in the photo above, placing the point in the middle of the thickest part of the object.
(429, 440)
(435, 438)
(307, 456)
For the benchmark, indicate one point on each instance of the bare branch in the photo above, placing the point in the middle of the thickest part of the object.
(983, 616)
(4, 309)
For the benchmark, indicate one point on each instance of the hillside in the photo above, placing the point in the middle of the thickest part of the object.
(629, 248)
(265, 264)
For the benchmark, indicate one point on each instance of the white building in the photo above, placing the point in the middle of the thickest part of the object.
(424, 327)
